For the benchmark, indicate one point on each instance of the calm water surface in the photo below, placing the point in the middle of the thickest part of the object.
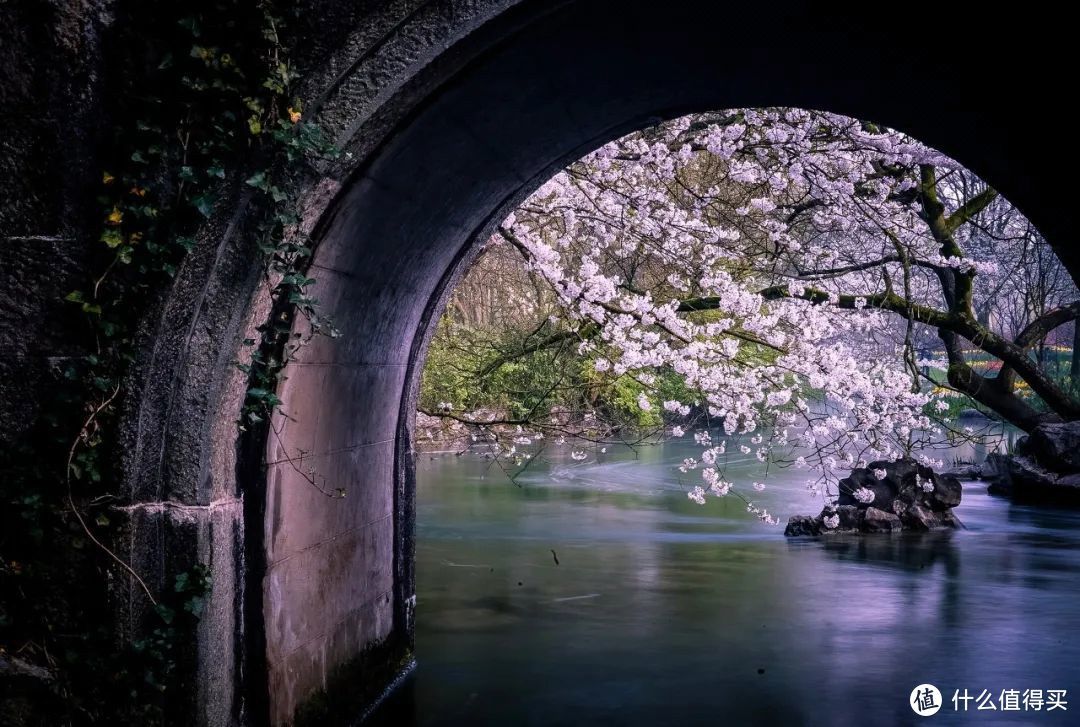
(660, 611)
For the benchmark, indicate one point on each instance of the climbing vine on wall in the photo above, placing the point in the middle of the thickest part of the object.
(202, 115)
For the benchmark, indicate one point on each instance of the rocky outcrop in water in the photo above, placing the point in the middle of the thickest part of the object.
(965, 472)
(1044, 469)
(908, 496)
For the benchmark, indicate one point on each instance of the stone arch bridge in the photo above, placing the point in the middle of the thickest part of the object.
(451, 111)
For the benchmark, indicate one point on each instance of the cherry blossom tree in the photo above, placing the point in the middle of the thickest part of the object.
(791, 268)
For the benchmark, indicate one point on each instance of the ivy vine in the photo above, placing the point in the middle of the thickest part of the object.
(203, 112)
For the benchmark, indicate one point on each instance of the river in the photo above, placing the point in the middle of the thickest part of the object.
(659, 611)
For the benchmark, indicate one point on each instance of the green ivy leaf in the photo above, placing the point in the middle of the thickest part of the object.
(194, 606)
(258, 181)
(167, 614)
(205, 203)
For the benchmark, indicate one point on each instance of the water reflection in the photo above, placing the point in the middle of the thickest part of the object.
(664, 612)
(907, 551)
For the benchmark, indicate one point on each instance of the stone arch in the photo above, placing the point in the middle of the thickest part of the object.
(452, 112)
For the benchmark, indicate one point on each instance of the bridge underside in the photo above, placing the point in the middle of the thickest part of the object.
(453, 112)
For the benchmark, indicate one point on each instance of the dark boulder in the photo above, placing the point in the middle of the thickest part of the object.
(908, 496)
(1054, 446)
(918, 517)
(965, 472)
(1045, 468)
(1027, 473)
(850, 516)
(995, 472)
(879, 521)
(884, 491)
(1031, 483)
(946, 493)
(802, 525)
(904, 480)
(994, 466)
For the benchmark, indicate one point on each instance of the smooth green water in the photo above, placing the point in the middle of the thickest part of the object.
(661, 611)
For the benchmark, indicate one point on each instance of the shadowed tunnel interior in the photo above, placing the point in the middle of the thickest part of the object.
(495, 116)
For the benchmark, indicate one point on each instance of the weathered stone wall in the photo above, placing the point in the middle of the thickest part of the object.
(330, 584)
(50, 85)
